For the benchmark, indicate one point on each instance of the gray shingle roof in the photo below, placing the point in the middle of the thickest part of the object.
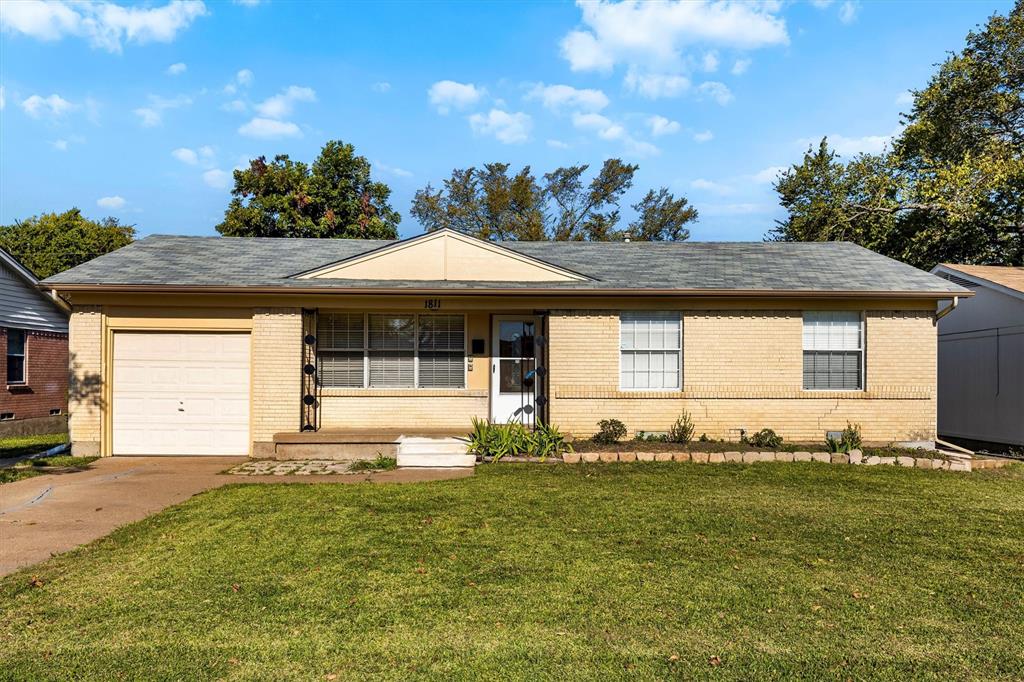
(686, 266)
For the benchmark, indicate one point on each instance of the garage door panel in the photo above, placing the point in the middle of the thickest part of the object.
(181, 393)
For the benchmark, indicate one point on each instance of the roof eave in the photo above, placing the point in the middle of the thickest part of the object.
(499, 291)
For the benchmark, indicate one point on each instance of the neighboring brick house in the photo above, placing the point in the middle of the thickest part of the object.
(33, 354)
(197, 345)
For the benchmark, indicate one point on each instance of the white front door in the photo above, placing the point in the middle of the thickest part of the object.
(183, 393)
(513, 369)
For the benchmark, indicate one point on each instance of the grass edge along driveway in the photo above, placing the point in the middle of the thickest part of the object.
(571, 572)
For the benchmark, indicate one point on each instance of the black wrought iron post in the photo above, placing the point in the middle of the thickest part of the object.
(541, 342)
(310, 407)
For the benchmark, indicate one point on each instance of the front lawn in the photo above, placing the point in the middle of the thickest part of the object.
(633, 571)
(18, 446)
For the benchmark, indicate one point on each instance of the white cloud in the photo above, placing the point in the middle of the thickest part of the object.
(381, 87)
(177, 69)
(3, 98)
(248, 3)
(152, 116)
(717, 91)
(848, 11)
(768, 175)
(905, 98)
(656, 85)
(821, 4)
(113, 202)
(53, 106)
(703, 136)
(606, 129)
(736, 209)
(235, 105)
(104, 24)
(740, 67)
(148, 118)
(662, 126)
(561, 97)
(268, 128)
(711, 186)
(391, 170)
(60, 145)
(653, 34)
(282, 104)
(557, 144)
(186, 155)
(850, 146)
(507, 128)
(217, 178)
(710, 62)
(448, 95)
(244, 77)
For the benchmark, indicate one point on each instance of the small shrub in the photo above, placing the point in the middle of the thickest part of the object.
(609, 431)
(682, 430)
(504, 440)
(704, 438)
(849, 439)
(765, 438)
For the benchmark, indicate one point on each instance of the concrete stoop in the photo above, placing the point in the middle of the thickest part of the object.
(434, 452)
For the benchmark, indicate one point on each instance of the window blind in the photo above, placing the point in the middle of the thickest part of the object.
(650, 350)
(833, 350)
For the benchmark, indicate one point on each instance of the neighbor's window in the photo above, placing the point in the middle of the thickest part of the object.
(15, 356)
(650, 347)
(833, 350)
(387, 350)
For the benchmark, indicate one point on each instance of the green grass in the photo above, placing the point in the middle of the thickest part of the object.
(30, 445)
(380, 463)
(44, 465)
(629, 571)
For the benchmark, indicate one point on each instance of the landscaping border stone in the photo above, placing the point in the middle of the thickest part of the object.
(855, 457)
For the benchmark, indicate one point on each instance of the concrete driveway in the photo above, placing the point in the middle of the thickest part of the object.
(50, 514)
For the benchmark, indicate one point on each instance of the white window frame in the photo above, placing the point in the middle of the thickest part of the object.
(634, 351)
(862, 342)
(415, 350)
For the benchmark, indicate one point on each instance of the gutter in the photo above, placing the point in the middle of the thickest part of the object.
(533, 291)
(948, 309)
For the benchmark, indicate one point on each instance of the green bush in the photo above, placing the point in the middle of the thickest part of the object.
(508, 440)
(380, 463)
(609, 431)
(682, 430)
(849, 439)
(765, 438)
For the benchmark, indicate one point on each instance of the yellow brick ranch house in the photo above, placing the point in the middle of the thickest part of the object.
(202, 345)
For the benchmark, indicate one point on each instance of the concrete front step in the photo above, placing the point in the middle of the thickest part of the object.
(434, 452)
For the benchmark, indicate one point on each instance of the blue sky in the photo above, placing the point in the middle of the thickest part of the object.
(143, 111)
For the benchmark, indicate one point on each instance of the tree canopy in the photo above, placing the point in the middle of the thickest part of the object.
(951, 188)
(334, 198)
(54, 242)
(489, 203)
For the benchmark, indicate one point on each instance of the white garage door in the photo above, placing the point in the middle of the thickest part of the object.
(181, 393)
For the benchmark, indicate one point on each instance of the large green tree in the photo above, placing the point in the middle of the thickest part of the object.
(53, 242)
(489, 203)
(951, 188)
(335, 197)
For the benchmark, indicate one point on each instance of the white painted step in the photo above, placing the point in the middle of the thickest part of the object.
(434, 453)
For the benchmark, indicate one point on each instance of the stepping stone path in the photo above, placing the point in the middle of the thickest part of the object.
(292, 467)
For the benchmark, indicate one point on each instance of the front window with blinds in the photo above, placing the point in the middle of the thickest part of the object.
(650, 351)
(391, 350)
(833, 350)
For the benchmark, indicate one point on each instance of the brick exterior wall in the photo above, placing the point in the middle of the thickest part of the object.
(276, 375)
(85, 399)
(743, 370)
(391, 409)
(46, 387)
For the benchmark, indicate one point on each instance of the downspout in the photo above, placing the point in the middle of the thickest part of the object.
(948, 309)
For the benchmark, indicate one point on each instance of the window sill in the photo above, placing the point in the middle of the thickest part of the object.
(403, 393)
(18, 386)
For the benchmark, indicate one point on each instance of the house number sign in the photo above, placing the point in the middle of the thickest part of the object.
(432, 304)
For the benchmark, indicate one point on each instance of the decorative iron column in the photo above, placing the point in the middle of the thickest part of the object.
(310, 407)
(540, 349)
